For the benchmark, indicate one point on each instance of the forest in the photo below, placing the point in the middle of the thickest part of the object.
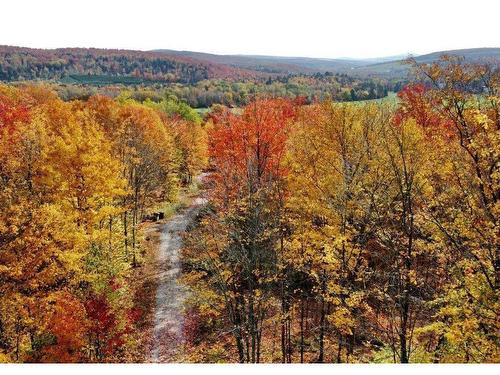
(320, 230)
(17, 63)
(79, 73)
(206, 93)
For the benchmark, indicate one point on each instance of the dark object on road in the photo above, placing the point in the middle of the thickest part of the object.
(155, 216)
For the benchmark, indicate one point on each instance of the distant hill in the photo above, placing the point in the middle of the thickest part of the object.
(376, 60)
(106, 66)
(18, 63)
(398, 68)
(384, 66)
(472, 54)
(272, 64)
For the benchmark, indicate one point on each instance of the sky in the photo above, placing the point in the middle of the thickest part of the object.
(312, 28)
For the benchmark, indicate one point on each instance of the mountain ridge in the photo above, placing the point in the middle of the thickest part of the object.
(170, 66)
(297, 64)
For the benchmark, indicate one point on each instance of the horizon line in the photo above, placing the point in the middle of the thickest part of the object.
(158, 50)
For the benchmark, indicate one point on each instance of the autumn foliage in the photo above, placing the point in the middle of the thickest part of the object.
(333, 232)
(76, 180)
(247, 150)
(353, 233)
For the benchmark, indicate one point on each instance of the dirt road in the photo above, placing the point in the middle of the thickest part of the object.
(170, 296)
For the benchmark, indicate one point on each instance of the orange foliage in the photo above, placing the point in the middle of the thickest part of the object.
(67, 322)
(247, 149)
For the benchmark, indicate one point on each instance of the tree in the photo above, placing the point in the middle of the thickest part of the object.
(464, 206)
(245, 152)
(332, 159)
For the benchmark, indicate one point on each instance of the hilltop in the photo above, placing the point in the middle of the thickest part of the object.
(295, 65)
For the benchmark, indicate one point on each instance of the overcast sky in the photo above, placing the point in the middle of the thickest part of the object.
(314, 28)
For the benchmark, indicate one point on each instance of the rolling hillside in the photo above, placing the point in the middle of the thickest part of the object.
(272, 64)
(381, 66)
(398, 68)
(18, 64)
(105, 66)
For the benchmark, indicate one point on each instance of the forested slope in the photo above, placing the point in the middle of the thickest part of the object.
(17, 63)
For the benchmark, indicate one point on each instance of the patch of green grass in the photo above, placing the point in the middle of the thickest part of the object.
(170, 208)
(391, 98)
(184, 198)
(203, 111)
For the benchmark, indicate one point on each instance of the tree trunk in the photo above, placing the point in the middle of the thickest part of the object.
(302, 331)
(339, 350)
(322, 320)
(125, 233)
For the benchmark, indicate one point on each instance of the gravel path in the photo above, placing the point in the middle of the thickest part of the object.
(170, 296)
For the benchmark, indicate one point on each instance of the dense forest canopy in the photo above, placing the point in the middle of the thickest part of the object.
(343, 233)
(332, 231)
(18, 63)
(76, 181)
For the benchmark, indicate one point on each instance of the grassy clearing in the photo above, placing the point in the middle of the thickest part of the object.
(391, 98)
(203, 111)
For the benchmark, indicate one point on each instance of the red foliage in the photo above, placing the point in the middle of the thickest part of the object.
(134, 315)
(103, 325)
(246, 150)
(194, 330)
(300, 100)
(12, 111)
(99, 311)
(413, 105)
(417, 104)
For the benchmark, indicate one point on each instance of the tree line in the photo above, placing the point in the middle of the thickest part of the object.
(238, 93)
(22, 64)
(317, 87)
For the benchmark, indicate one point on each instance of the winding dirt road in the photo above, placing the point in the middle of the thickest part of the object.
(168, 337)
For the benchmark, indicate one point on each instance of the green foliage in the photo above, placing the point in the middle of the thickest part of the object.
(172, 106)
